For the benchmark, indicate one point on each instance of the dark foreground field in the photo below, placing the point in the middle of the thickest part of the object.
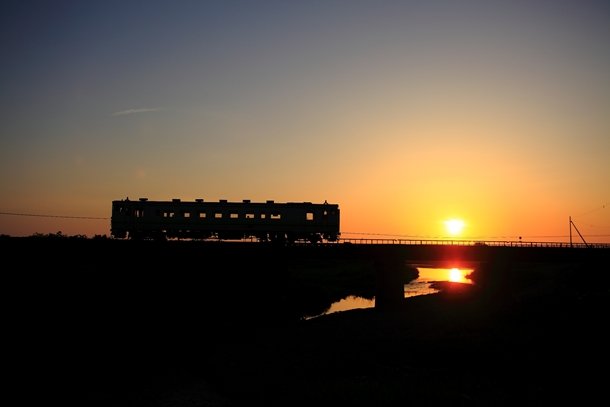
(147, 324)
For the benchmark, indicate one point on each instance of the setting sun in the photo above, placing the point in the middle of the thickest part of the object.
(454, 226)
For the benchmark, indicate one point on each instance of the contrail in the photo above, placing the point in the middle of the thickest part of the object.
(134, 111)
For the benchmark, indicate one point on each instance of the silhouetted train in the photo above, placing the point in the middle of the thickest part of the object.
(264, 221)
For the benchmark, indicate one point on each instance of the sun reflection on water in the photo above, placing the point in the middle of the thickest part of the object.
(428, 275)
(457, 275)
(420, 286)
(453, 274)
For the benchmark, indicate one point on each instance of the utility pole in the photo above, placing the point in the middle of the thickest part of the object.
(578, 231)
(570, 231)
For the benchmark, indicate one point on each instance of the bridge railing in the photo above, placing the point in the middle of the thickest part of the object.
(446, 242)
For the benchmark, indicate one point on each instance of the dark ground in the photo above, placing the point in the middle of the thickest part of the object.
(106, 323)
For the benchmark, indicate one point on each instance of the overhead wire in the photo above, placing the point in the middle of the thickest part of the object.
(53, 216)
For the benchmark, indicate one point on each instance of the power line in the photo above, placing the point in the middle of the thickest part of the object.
(343, 233)
(464, 237)
(52, 216)
(594, 210)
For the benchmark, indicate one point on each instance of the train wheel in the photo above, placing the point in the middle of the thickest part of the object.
(314, 239)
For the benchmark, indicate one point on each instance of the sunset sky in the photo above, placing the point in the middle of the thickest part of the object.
(405, 113)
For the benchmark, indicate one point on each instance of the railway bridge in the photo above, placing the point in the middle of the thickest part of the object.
(192, 264)
(498, 257)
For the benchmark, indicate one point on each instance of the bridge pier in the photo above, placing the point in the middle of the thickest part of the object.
(389, 272)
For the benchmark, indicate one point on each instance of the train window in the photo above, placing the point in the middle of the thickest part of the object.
(309, 216)
(234, 216)
(201, 215)
(187, 214)
(249, 216)
(263, 216)
(171, 214)
(276, 216)
(139, 213)
(218, 215)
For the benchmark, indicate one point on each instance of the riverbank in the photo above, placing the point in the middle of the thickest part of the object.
(454, 348)
(154, 332)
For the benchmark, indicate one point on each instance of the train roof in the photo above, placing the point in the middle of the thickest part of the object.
(222, 201)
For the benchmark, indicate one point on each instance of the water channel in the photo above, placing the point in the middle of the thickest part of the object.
(420, 286)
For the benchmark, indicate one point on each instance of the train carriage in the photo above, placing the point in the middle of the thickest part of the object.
(263, 221)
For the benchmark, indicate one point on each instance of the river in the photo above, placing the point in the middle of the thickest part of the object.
(420, 286)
